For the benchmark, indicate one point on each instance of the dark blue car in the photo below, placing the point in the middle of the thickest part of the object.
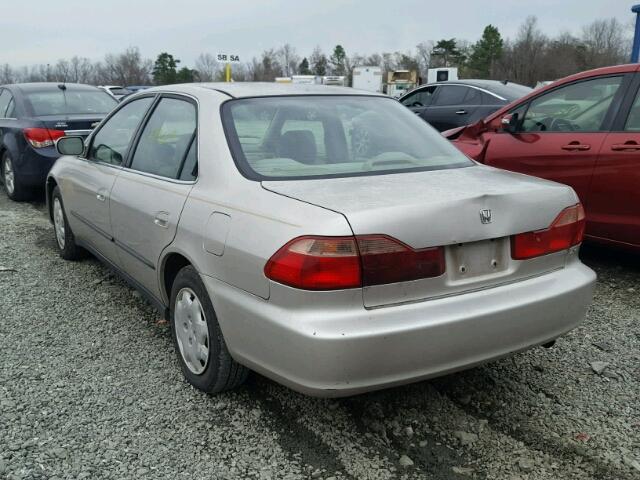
(32, 117)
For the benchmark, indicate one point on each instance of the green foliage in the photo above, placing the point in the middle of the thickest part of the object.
(447, 54)
(338, 60)
(303, 68)
(165, 69)
(486, 52)
(320, 66)
(186, 75)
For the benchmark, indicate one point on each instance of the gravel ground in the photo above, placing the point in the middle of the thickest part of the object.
(90, 388)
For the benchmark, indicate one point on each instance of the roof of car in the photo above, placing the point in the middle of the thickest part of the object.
(39, 86)
(263, 89)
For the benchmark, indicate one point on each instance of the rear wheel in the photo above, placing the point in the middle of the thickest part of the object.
(64, 236)
(15, 190)
(200, 346)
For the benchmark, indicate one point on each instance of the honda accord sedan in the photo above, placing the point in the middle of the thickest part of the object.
(327, 239)
(32, 117)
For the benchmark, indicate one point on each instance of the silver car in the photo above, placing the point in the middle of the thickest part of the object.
(326, 238)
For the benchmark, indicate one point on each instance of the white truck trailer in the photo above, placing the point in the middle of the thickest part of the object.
(368, 78)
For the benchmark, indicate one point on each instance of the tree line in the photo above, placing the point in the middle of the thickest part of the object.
(529, 57)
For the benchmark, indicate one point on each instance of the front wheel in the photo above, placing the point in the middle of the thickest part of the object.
(202, 352)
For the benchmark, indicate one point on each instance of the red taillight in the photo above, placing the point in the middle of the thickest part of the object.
(333, 263)
(42, 137)
(566, 231)
(386, 260)
(316, 263)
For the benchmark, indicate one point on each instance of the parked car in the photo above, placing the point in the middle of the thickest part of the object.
(329, 240)
(116, 91)
(137, 88)
(583, 131)
(447, 105)
(32, 117)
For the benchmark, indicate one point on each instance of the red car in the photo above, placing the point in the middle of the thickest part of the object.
(584, 131)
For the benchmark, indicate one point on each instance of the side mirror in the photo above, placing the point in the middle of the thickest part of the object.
(70, 146)
(507, 123)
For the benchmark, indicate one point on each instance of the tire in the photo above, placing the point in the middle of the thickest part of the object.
(15, 190)
(194, 328)
(65, 240)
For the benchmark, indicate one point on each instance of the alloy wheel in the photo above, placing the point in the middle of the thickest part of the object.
(9, 177)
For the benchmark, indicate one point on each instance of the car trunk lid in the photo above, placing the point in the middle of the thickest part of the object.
(72, 124)
(471, 211)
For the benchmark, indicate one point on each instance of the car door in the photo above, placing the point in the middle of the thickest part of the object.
(614, 198)
(420, 99)
(558, 134)
(87, 184)
(449, 108)
(148, 195)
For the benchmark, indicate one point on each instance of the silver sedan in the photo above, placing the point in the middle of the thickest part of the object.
(324, 237)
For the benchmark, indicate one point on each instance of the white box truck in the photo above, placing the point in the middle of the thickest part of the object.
(368, 78)
(442, 74)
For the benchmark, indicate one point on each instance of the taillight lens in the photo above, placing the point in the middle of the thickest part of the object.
(42, 137)
(316, 263)
(334, 263)
(566, 231)
(386, 260)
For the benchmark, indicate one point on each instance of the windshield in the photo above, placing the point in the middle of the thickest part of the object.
(327, 136)
(69, 102)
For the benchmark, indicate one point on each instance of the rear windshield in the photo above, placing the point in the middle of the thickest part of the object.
(69, 102)
(301, 137)
(510, 91)
(120, 91)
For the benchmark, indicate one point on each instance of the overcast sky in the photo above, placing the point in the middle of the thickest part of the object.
(42, 31)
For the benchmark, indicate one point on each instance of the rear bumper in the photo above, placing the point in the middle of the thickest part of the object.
(323, 350)
(33, 166)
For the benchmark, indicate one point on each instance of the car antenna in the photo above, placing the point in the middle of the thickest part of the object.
(62, 85)
(505, 81)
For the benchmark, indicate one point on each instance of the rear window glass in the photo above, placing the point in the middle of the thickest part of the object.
(510, 91)
(120, 91)
(332, 136)
(69, 101)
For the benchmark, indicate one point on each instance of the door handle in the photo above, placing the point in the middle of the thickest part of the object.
(461, 112)
(576, 146)
(630, 145)
(100, 197)
(161, 219)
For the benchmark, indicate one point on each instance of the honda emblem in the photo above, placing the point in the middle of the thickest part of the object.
(485, 216)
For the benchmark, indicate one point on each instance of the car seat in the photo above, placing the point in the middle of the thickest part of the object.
(300, 145)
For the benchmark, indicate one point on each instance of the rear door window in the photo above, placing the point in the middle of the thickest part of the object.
(166, 138)
(633, 119)
(451, 95)
(473, 97)
(111, 143)
(189, 170)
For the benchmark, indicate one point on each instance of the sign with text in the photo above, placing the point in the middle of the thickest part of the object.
(226, 58)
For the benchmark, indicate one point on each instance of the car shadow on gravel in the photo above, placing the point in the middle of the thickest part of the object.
(600, 256)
